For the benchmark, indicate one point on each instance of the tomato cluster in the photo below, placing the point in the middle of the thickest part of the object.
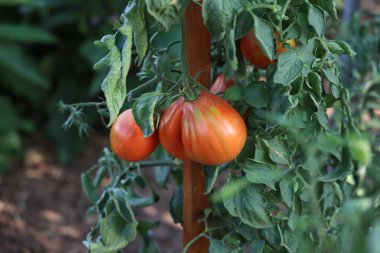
(251, 50)
(206, 130)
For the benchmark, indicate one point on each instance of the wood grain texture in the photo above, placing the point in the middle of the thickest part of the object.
(198, 50)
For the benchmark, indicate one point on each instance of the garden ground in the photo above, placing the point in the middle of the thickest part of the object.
(43, 208)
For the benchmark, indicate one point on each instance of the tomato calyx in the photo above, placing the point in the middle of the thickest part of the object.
(189, 93)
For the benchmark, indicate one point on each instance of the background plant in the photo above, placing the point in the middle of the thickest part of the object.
(46, 53)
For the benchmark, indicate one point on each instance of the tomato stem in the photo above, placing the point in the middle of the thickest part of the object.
(160, 76)
(130, 95)
(283, 12)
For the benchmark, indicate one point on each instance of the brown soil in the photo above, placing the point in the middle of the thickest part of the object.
(43, 208)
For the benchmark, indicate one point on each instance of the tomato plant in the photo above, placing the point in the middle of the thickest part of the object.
(294, 172)
(206, 130)
(128, 141)
(252, 51)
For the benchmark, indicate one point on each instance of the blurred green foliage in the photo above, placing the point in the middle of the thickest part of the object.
(46, 54)
(360, 214)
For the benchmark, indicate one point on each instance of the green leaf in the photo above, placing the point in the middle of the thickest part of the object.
(233, 93)
(230, 48)
(295, 219)
(211, 174)
(145, 226)
(25, 33)
(142, 202)
(340, 47)
(328, 6)
(256, 94)
(360, 150)
(176, 205)
(121, 201)
(316, 19)
(261, 173)
(217, 246)
(289, 67)
(135, 18)
(250, 206)
(373, 237)
(117, 228)
(271, 235)
(164, 11)
(291, 241)
(339, 173)
(303, 27)
(247, 232)
(258, 246)
(143, 111)
(315, 83)
(287, 191)
(89, 187)
(112, 86)
(264, 35)
(277, 151)
(307, 56)
(220, 16)
(247, 152)
(126, 54)
(244, 24)
(331, 76)
(332, 196)
(322, 116)
(279, 104)
(115, 232)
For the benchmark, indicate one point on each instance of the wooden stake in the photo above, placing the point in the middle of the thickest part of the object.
(198, 50)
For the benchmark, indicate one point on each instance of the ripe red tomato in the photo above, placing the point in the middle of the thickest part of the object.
(128, 141)
(251, 50)
(221, 84)
(207, 130)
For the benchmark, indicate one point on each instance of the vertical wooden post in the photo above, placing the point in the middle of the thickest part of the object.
(198, 50)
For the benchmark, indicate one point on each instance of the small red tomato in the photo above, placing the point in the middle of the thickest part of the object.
(221, 84)
(128, 141)
(251, 50)
(207, 130)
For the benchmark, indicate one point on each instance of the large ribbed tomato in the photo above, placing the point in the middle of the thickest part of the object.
(128, 141)
(207, 130)
(251, 50)
(221, 84)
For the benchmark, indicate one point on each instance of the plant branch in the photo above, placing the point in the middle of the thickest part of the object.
(160, 76)
(141, 87)
(285, 8)
(203, 234)
(157, 163)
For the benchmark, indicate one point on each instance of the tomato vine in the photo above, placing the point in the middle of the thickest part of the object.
(286, 190)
